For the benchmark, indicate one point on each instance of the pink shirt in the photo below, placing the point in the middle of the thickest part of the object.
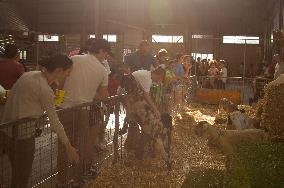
(213, 72)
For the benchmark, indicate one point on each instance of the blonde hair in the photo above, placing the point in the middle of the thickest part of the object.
(212, 62)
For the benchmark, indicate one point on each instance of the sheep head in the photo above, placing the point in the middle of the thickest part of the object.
(201, 128)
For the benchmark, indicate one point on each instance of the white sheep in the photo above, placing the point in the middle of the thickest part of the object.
(226, 140)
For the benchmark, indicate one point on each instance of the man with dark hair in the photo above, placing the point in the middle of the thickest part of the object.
(89, 78)
(10, 68)
(87, 82)
(141, 59)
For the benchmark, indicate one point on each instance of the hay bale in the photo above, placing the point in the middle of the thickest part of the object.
(271, 110)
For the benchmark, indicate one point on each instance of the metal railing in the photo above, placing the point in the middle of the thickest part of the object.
(250, 88)
(32, 156)
(171, 99)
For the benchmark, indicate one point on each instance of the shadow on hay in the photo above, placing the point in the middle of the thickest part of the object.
(254, 165)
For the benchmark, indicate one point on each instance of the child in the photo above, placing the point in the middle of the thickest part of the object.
(212, 73)
(223, 74)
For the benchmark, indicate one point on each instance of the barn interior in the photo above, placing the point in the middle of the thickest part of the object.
(246, 34)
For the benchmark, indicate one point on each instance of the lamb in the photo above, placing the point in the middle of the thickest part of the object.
(227, 105)
(237, 119)
(226, 140)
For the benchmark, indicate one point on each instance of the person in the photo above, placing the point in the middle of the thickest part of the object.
(145, 79)
(140, 109)
(179, 67)
(179, 87)
(170, 80)
(89, 78)
(142, 58)
(212, 73)
(223, 74)
(87, 82)
(113, 84)
(279, 66)
(187, 65)
(162, 59)
(31, 96)
(10, 68)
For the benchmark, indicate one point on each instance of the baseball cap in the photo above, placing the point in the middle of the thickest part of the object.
(100, 44)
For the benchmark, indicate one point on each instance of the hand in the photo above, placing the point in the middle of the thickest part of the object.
(72, 153)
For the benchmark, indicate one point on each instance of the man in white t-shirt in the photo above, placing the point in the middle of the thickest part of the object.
(89, 78)
(145, 79)
(140, 109)
(87, 82)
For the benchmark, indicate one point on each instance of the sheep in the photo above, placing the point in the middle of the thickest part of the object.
(227, 105)
(226, 140)
(237, 119)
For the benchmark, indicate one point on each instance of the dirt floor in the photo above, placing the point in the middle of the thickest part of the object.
(190, 155)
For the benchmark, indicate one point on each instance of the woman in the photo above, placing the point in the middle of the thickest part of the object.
(31, 96)
(187, 65)
(212, 73)
(179, 88)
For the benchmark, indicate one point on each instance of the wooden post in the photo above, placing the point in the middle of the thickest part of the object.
(281, 24)
(83, 37)
(98, 15)
(281, 15)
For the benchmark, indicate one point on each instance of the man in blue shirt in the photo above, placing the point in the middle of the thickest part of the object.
(141, 59)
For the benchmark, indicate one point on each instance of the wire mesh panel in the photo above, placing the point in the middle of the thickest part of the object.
(26, 152)
(33, 156)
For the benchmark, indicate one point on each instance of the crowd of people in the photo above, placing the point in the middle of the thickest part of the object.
(88, 77)
(214, 73)
(274, 69)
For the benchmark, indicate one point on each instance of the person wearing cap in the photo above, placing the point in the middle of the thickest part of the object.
(141, 59)
(10, 68)
(87, 82)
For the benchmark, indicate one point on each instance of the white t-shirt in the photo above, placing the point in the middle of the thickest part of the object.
(279, 69)
(224, 74)
(143, 77)
(87, 76)
(278, 81)
(31, 96)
